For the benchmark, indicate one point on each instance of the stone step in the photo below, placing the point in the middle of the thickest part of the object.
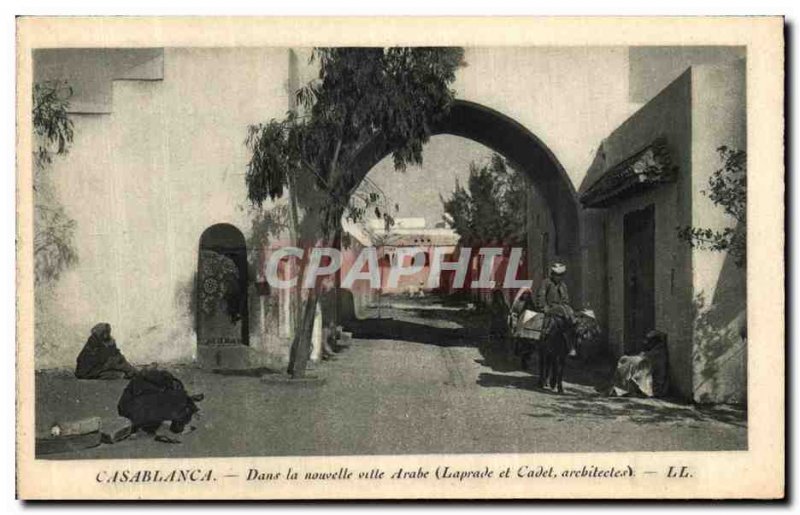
(231, 357)
(115, 429)
(72, 443)
(75, 427)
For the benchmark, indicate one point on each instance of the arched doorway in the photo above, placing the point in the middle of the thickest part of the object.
(530, 155)
(222, 311)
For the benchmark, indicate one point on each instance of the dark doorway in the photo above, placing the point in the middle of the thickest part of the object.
(639, 273)
(222, 312)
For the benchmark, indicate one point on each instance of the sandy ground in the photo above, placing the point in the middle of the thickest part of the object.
(423, 379)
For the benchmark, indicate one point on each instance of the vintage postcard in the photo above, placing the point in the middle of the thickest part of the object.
(400, 258)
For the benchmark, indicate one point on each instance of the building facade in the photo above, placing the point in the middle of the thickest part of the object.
(157, 160)
(155, 183)
(648, 181)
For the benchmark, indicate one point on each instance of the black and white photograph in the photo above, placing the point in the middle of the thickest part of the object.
(390, 250)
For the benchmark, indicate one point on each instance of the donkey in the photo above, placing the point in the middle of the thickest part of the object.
(553, 349)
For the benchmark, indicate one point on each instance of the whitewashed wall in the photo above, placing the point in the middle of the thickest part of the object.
(142, 182)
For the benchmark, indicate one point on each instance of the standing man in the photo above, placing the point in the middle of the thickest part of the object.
(552, 299)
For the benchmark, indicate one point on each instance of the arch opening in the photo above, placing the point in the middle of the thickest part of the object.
(526, 153)
(222, 275)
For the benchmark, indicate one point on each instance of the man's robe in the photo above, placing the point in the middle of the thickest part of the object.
(100, 358)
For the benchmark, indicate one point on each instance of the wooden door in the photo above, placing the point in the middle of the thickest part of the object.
(639, 273)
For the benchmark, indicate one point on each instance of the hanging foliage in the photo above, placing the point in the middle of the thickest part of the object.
(727, 187)
(51, 124)
(54, 230)
(397, 94)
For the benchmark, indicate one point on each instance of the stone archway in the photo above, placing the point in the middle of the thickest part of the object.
(222, 310)
(528, 154)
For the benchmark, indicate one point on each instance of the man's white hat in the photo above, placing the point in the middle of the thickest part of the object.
(558, 268)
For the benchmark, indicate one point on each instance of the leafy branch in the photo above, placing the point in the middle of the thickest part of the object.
(54, 233)
(727, 187)
(50, 120)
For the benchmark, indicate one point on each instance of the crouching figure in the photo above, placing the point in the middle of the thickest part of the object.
(154, 396)
(645, 374)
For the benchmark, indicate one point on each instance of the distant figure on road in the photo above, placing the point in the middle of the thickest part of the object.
(498, 325)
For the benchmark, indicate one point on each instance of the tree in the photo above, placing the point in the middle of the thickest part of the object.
(491, 209)
(728, 189)
(54, 230)
(397, 94)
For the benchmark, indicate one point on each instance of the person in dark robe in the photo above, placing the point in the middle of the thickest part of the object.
(100, 357)
(154, 396)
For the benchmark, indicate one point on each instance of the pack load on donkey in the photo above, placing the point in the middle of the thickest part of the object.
(548, 323)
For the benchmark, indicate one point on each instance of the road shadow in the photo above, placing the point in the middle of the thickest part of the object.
(468, 318)
(430, 298)
(503, 381)
(403, 330)
(576, 405)
(501, 355)
(248, 372)
(526, 382)
(636, 410)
